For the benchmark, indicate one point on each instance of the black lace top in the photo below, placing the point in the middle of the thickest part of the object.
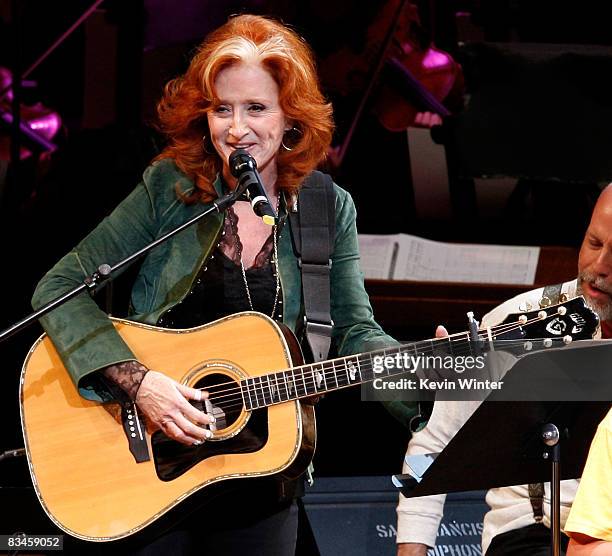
(219, 288)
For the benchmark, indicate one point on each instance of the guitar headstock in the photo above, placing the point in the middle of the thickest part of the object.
(570, 320)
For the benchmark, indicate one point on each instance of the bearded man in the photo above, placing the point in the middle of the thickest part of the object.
(518, 522)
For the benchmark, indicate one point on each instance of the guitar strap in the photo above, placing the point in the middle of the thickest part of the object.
(550, 296)
(313, 224)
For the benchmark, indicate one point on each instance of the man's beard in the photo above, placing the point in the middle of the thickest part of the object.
(603, 310)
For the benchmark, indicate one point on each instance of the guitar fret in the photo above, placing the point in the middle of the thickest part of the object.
(469, 342)
(311, 385)
(276, 389)
(252, 393)
(284, 375)
(392, 369)
(398, 367)
(249, 404)
(304, 381)
(257, 392)
(295, 384)
(314, 380)
(352, 371)
(385, 367)
(450, 346)
(322, 371)
(367, 373)
(244, 400)
(271, 389)
(338, 375)
(262, 390)
(291, 386)
(270, 394)
(343, 375)
(340, 372)
(335, 375)
(416, 354)
(285, 395)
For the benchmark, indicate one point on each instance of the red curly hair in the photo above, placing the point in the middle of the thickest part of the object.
(187, 99)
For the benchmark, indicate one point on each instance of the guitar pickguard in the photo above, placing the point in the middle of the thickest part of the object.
(172, 459)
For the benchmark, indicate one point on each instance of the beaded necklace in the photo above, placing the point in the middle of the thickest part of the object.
(274, 261)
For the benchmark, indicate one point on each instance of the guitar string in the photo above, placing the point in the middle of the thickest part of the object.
(261, 391)
(235, 399)
(326, 369)
(329, 371)
(482, 335)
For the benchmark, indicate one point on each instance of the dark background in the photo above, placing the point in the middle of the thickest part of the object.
(105, 79)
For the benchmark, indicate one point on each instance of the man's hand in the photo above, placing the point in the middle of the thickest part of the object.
(426, 119)
(412, 549)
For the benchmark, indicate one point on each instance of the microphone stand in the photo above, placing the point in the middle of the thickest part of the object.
(15, 453)
(105, 271)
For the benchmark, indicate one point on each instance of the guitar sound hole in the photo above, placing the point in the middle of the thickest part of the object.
(172, 459)
(224, 401)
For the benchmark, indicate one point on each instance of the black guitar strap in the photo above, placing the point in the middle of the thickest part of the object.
(313, 224)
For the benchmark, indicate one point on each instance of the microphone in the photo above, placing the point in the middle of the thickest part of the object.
(243, 166)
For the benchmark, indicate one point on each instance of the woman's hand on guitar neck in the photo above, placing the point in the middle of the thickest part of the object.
(164, 403)
(441, 332)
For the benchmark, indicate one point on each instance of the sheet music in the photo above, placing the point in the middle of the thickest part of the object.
(378, 254)
(408, 257)
(425, 260)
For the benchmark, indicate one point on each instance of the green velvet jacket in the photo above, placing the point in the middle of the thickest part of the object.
(84, 336)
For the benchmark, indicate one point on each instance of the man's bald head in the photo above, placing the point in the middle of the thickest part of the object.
(595, 259)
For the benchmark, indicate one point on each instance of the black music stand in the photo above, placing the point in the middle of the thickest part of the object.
(514, 442)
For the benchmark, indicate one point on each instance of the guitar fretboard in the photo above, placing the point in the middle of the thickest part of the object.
(326, 376)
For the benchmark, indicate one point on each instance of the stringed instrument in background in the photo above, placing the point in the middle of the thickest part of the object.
(39, 124)
(91, 485)
(398, 72)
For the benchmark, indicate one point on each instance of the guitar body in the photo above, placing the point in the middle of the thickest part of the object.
(87, 480)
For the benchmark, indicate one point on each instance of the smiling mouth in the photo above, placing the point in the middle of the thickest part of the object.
(594, 290)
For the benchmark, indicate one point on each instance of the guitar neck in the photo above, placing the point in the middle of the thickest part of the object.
(557, 325)
(334, 374)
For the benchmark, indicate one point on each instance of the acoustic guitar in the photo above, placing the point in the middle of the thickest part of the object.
(91, 485)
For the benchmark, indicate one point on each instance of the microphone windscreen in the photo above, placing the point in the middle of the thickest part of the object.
(239, 161)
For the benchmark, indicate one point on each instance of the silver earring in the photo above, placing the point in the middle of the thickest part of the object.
(294, 130)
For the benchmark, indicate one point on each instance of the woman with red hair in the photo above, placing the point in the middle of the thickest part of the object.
(252, 85)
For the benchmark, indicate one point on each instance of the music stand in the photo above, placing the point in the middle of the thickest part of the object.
(517, 450)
